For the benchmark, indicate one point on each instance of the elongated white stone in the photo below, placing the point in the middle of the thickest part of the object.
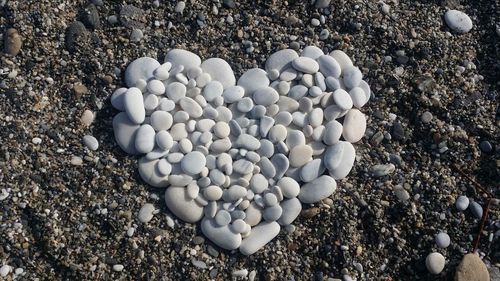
(259, 237)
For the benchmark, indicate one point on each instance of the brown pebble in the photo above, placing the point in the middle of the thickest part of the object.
(12, 42)
(472, 268)
(309, 213)
(80, 90)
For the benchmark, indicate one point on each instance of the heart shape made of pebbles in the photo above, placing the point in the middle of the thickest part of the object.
(242, 156)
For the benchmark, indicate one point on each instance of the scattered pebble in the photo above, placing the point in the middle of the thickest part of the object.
(435, 263)
(458, 21)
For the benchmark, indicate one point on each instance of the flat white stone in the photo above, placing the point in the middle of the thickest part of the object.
(300, 155)
(222, 218)
(175, 91)
(280, 60)
(146, 213)
(222, 236)
(252, 80)
(261, 234)
(342, 99)
(233, 94)
(339, 159)
(162, 71)
(291, 210)
(272, 213)
(117, 98)
(315, 117)
(193, 162)
(161, 120)
(317, 190)
(150, 102)
(164, 168)
(212, 193)
(145, 139)
(150, 173)
(125, 132)
(182, 57)
(342, 59)
(247, 141)
(156, 87)
(352, 76)
(178, 203)
(164, 140)
(289, 187)
(191, 107)
(141, 68)
(354, 126)
(312, 52)
(219, 70)
(435, 263)
(312, 170)
(333, 131)
(265, 96)
(458, 21)
(212, 90)
(134, 105)
(358, 97)
(90, 142)
(306, 65)
(329, 66)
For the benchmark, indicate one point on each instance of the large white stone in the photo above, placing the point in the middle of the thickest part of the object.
(178, 202)
(339, 159)
(220, 71)
(281, 60)
(125, 132)
(317, 190)
(182, 57)
(261, 234)
(252, 80)
(140, 69)
(222, 236)
(133, 104)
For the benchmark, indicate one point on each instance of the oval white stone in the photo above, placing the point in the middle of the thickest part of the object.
(184, 208)
(354, 126)
(261, 234)
(145, 139)
(133, 103)
(339, 159)
(317, 190)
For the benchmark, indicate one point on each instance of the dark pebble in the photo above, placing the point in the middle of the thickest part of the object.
(398, 132)
(486, 146)
(476, 209)
(90, 17)
(229, 4)
(76, 35)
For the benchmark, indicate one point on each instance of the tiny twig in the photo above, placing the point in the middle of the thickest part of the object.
(483, 221)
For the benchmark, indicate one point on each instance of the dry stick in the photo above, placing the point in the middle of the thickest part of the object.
(485, 214)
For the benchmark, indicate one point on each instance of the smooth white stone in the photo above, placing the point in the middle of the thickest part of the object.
(247, 141)
(221, 129)
(156, 87)
(212, 193)
(164, 140)
(333, 131)
(193, 162)
(333, 112)
(273, 74)
(145, 139)
(266, 123)
(319, 80)
(219, 70)
(462, 203)
(150, 102)
(146, 213)
(352, 76)
(233, 94)
(157, 153)
(178, 203)
(176, 91)
(150, 173)
(166, 105)
(253, 214)
(222, 236)
(212, 90)
(258, 183)
(329, 66)
(317, 190)
(442, 240)
(203, 80)
(117, 98)
(366, 88)
(342, 59)
(265, 96)
(281, 164)
(289, 187)
(162, 71)
(435, 263)
(291, 210)
(182, 57)
(288, 74)
(300, 155)
(204, 125)
(185, 146)
(342, 99)
(277, 133)
(125, 132)
(141, 68)
(161, 120)
(272, 213)
(164, 168)
(190, 106)
(458, 21)
(312, 52)
(134, 105)
(90, 142)
(316, 117)
(239, 226)
(305, 64)
(252, 80)
(295, 138)
(297, 92)
(222, 218)
(312, 170)
(178, 131)
(354, 126)
(280, 60)
(261, 234)
(358, 97)
(339, 159)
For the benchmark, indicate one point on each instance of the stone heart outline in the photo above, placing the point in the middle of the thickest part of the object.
(243, 178)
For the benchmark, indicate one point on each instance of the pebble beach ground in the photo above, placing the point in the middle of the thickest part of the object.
(75, 208)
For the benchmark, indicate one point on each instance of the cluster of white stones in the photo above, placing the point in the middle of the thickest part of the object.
(242, 156)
